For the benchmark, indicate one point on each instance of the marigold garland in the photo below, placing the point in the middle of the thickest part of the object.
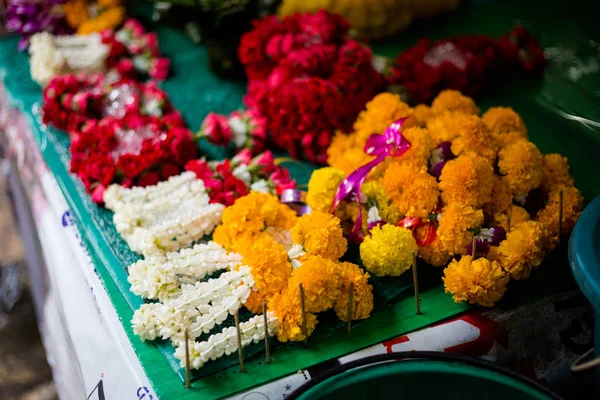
(362, 295)
(413, 191)
(455, 101)
(320, 234)
(456, 225)
(505, 124)
(468, 180)
(322, 186)
(521, 163)
(388, 250)
(556, 172)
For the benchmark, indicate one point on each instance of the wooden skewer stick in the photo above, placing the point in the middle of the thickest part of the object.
(350, 304)
(187, 361)
(474, 247)
(304, 330)
(267, 350)
(239, 341)
(416, 284)
(508, 220)
(560, 214)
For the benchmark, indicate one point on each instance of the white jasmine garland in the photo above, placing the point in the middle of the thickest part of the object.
(373, 215)
(165, 217)
(294, 253)
(58, 55)
(225, 342)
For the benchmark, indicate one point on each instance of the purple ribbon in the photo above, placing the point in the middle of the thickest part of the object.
(390, 144)
(296, 200)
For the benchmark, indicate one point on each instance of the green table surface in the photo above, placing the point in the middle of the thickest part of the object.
(560, 110)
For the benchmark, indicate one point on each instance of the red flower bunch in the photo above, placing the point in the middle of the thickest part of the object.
(465, 63)
(307, 78)
(246, 129)
(134, 51)
(226, 181)
(133, 151)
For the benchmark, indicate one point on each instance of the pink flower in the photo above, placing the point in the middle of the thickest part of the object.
(135, 27)
(216, 129)
(159, 68)
(243, 157)
(282, 180)
(98, 194)
(151, 41)
(266, 164)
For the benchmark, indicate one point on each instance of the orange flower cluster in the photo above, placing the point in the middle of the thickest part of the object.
(89, 17)
(466, 176)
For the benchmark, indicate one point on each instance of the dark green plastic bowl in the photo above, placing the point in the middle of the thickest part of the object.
(421, 375)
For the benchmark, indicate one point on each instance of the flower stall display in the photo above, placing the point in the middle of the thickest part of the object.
(373, 18)
(307, 77)
(464, 63)
(93, 16)
(267, 253)
(68, 54)
(466, 192)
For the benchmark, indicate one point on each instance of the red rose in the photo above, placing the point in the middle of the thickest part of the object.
(182, 146)
(101, 167)
(98, 194)
(173, 119)
(200, 168)
(265, 162)
(148, 179)
(131, 165)
(216, 129)
(169, 170)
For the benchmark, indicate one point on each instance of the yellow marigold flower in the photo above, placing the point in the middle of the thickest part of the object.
(250, 215)
(288, 311)
(467, 180)
(518, 215)
(453, 100)
(375, 194)
(420, 150)
(556, 172)
(521, 163)
(456, 221)
(270, 269)
(380, 112)
(109, 18)
(109, 3)
(572, 207)
(346, 154)
(321, 283)
(422, 114)
(446, 126)
(478, 282)
(76, 12)
(320, 234)
(505, 124)
(475, 137)
(434, 255)
(388, 250)
(501, 197)
(414, 192)
(322, 186)
(362, 295)
(522, 250)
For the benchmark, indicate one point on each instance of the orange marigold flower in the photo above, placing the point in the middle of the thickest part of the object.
(446, 126)
(453, 100)
(522, 250)
(467, 180)
(288, 311)
(521, 163)
(571, 210)
(270, 268)
(362, 295)
(380, 112)
(76, 12)
(433, 254)
(505, 124)
(517, 214)
(456, 222)
(478, 282)
(109, 18)
(420, 150)
(320, 279)
(322, 187)
(556, 172)
(422, 114)
(346, 154)
(475, 137)
(414, 192)
(501, 197)
(320, 234)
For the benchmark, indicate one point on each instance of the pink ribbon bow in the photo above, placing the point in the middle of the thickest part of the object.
(390, 144)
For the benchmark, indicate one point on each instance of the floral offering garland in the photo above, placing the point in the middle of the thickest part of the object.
(60, 55)
(165, 217)
(245, 129)
(465, 63)
(228, 180)
(307, 78)
(458, 178)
